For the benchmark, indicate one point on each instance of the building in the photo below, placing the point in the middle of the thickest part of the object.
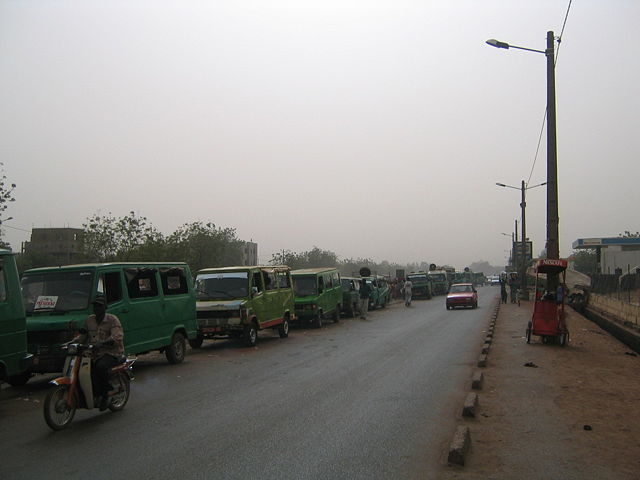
(614, 254)
(61, 246)
(249, 253)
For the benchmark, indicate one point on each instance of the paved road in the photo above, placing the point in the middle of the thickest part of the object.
(362, 399)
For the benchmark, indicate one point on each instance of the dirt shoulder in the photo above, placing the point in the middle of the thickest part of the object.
(532, 420)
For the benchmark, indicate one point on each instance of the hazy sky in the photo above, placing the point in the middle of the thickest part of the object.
(370, 128)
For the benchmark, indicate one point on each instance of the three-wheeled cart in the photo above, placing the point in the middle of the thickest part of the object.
(548, 319)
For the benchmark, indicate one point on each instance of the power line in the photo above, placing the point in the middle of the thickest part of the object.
(4, 225)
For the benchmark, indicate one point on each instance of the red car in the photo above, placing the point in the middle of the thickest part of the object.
(462, 295)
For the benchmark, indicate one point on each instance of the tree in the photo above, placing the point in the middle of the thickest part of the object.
(107, 238)
(628, 234)
(585, 261)
(6, 196)
(204, 245)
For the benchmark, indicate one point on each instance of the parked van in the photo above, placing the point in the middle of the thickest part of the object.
(155, 303)
(422, 284)
(14, 359)
(318, 294)
(350, 295)
(237, 302)
(380, 291)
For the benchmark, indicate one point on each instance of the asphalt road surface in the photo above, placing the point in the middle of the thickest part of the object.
(361, 399)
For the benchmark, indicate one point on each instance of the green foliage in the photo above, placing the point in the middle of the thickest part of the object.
(585, 261)
(6, 196)
(628, 234)
(107, 238)
(204, 245)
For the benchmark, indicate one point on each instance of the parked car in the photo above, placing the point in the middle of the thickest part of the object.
(462, 295)
(318, 294)
(350, 295)
(380, 291)
(14, 359)
(155, 303)
(238, 302)
(494, 280)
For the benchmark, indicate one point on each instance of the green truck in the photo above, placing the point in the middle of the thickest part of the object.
(238, 302)
(440, 281)
(14, 359)
(155, 303)
(421, 284)
(318, 294)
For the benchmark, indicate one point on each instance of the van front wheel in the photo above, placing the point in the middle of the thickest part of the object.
(175, 351)
(250, 335)
(283, 328)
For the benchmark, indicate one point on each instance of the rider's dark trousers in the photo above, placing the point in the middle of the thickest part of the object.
(101, 367)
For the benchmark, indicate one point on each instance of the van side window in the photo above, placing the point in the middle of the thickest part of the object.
(3, 284)
(109, 286)
(320, 284)
(174, 281)
(284, 280)
(329, 280)
(257, 281)
(141, 282)
(271, 280)
(336, 278)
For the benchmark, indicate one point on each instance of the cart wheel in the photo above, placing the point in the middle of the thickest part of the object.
(528, 334)
(562, 339)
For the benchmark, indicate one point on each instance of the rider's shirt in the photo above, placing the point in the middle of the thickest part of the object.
(109, 328)
(408, 285)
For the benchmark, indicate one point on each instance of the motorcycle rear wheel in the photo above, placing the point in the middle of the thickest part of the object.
(121, 383)
(57, 413)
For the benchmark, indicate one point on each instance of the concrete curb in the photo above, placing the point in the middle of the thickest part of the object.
(476, 381)
(459, 446)
(470, 405)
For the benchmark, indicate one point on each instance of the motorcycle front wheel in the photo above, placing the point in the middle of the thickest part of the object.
(121, 383)
(57, 411)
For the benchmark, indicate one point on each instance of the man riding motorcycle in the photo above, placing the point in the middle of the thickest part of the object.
(104, 332)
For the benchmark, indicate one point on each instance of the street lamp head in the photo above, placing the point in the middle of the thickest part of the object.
(497, 43)
(500, 184)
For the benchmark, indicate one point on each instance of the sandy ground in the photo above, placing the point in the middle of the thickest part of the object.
(574, 416)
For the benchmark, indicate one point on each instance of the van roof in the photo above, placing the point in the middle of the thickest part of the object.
(107, 264)
(245, 268)
(312, 271)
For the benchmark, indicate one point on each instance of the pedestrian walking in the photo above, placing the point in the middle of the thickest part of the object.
(365, 292)
(407, 289)
(503, 290)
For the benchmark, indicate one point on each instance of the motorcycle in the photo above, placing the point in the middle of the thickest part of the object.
(74, 390)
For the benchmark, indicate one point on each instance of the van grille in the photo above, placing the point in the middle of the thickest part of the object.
(49, 337)
(217, 314)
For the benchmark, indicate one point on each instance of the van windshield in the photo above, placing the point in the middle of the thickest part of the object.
(438, 277)
(57, 291)
(304, 285)
(222, 286)
(417, 278)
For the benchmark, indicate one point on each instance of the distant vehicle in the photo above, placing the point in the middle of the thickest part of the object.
(318, 294)
(14, 359)
(422, 286)
(350, 295)
(237, 302)
(380, 291)
(462, 295)
(439, 279)
(494, 280)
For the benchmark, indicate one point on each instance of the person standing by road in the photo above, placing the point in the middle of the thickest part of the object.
(503, 290)
(365, 292)
(407, 289)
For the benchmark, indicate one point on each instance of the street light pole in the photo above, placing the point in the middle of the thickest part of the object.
(521, 263)
(552, 246)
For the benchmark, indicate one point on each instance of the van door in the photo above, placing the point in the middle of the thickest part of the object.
(179, 301)
(273, 311)
(259, 300)
(146, 328)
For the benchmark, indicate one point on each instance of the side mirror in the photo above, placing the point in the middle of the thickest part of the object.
(254, 291)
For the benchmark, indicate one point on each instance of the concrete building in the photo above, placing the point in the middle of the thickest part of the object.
(615, 254)
(250, 253)
(60, 245)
